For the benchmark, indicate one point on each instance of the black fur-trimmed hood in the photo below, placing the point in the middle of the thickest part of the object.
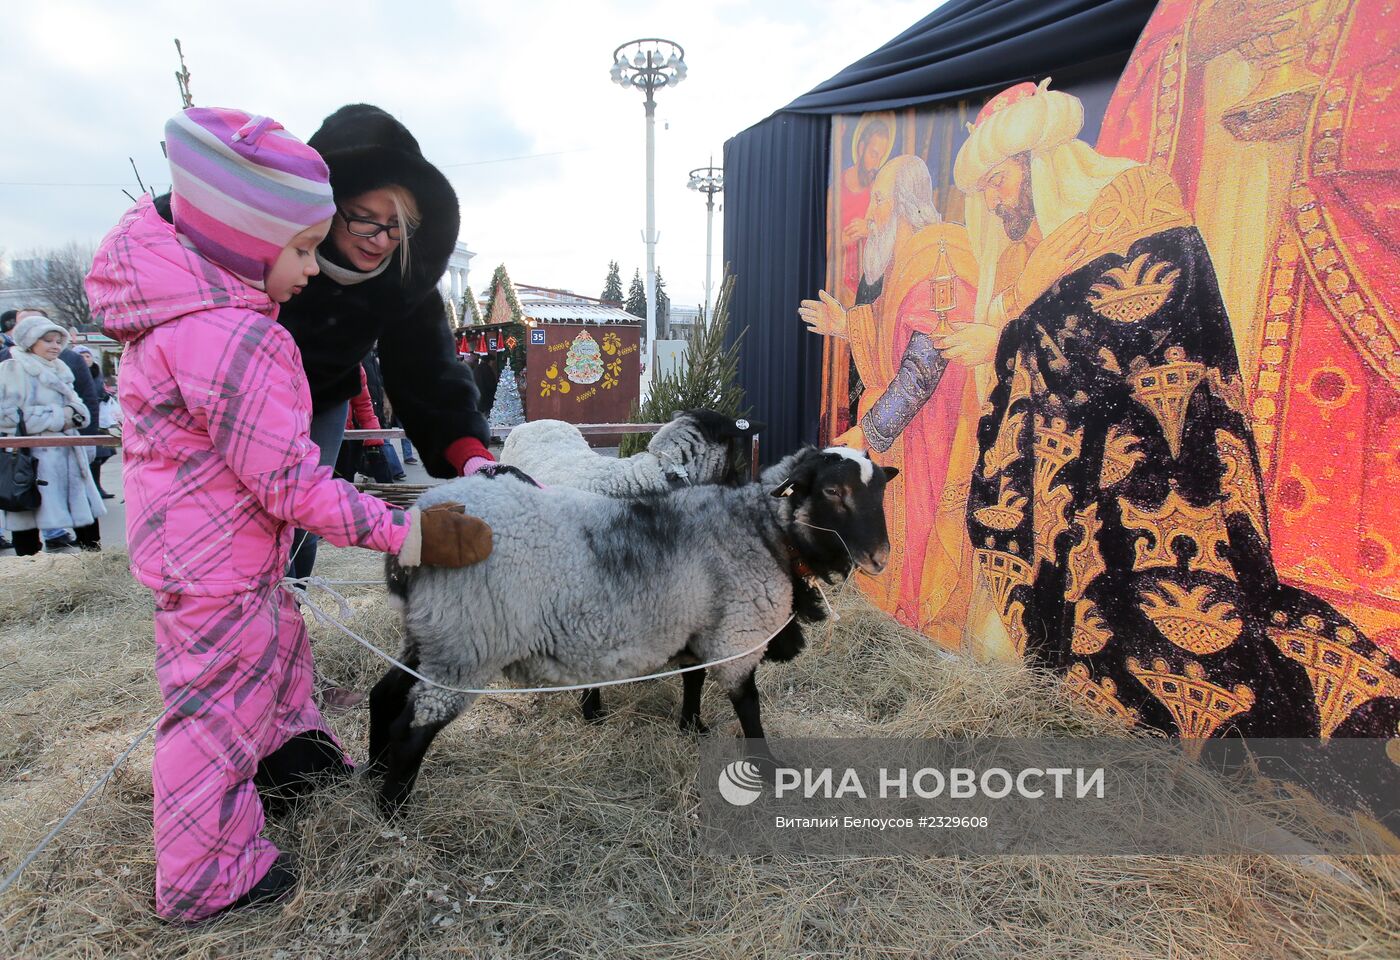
(367, 148)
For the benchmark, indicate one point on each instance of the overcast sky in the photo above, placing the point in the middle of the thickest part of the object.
(87, 84)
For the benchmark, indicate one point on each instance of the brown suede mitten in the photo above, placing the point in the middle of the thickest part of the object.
(444, 536)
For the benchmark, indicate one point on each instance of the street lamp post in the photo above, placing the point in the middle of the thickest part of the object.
(709, 181)
(648, 65)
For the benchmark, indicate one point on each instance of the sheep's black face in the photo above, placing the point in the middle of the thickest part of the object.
(839, 510)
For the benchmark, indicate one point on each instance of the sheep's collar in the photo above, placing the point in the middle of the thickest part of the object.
(800, 567)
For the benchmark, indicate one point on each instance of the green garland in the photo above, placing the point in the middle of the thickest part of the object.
(516, 326)
(499, 278)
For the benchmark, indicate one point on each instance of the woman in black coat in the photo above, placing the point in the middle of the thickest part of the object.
(395, 228)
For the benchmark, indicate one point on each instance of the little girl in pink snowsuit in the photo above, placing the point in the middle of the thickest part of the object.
(219, 470)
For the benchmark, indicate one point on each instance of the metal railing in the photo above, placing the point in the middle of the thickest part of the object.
(393, 433)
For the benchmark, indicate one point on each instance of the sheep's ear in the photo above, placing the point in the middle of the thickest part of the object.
(748, 428)
(890, 473)
(799, 481)
(676, 415)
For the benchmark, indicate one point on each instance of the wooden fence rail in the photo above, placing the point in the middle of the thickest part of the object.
(500, 433)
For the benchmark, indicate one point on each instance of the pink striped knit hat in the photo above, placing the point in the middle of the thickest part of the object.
(242, 187)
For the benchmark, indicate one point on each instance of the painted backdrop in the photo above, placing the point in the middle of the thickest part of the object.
(1142, 382)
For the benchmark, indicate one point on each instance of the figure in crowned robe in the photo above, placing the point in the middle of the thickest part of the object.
(1115, 508)
(1277, 120)
(924, 271)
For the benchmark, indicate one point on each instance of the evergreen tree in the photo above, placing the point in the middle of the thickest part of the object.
(469, 313)
(707, 378)
(507, 411)
(612, 288)
(663, 307)
(637, 296)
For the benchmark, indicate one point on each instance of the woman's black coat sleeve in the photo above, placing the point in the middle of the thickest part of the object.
(432, 392)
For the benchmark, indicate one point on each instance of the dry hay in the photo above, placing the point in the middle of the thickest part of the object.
(534, 835)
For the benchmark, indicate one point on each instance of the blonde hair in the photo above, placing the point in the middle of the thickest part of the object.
(406, 210)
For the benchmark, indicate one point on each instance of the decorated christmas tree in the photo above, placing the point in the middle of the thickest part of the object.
(584, 361)
(507, 411)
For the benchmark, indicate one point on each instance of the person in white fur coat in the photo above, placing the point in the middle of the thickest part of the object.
(35, 382)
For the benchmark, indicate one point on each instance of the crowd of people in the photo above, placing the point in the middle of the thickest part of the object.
(49, 388)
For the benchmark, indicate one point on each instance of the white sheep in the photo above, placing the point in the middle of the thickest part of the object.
(696, 447)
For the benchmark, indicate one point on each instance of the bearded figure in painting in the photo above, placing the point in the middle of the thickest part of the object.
(1115, 508)
(913, 413)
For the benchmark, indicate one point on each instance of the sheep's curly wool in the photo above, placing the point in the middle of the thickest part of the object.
(572, 590)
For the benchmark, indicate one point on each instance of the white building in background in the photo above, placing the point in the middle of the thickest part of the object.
(683, 320)
(24, 287)
(454, 281)
(18, 298)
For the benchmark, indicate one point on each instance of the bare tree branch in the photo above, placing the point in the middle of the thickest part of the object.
(62, 283)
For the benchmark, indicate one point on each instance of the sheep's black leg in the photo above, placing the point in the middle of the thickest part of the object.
(745, 700)
(694, 683)
(591, 700)
(386, 701)
(403, 758)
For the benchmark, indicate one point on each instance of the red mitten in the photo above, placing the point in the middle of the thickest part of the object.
(468, 455)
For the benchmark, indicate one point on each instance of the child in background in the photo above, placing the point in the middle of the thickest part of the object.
(219, 470)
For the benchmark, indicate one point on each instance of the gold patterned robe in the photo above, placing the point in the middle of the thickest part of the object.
(1115, 510)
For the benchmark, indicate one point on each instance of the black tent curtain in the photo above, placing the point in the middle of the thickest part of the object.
(775, 172)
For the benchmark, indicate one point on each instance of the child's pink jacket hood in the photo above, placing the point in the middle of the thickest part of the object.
(143, 276)
(219, 466)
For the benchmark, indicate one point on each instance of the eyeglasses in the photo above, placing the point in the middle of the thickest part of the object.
(360, 227)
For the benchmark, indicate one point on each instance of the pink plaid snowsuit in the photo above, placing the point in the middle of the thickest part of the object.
(219, 469)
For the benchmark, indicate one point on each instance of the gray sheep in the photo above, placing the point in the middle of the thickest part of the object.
(697, 447)
(582, 588)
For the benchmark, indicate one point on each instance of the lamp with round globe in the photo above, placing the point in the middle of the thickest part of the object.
(648, 65)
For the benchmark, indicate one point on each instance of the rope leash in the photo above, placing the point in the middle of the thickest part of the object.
(73, 811)
(301, 589)
(102, 780)
(131, 748)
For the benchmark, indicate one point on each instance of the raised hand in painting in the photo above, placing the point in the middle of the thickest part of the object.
(824, 316)
(969, 344)
(853, 438)
(1058, 254)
